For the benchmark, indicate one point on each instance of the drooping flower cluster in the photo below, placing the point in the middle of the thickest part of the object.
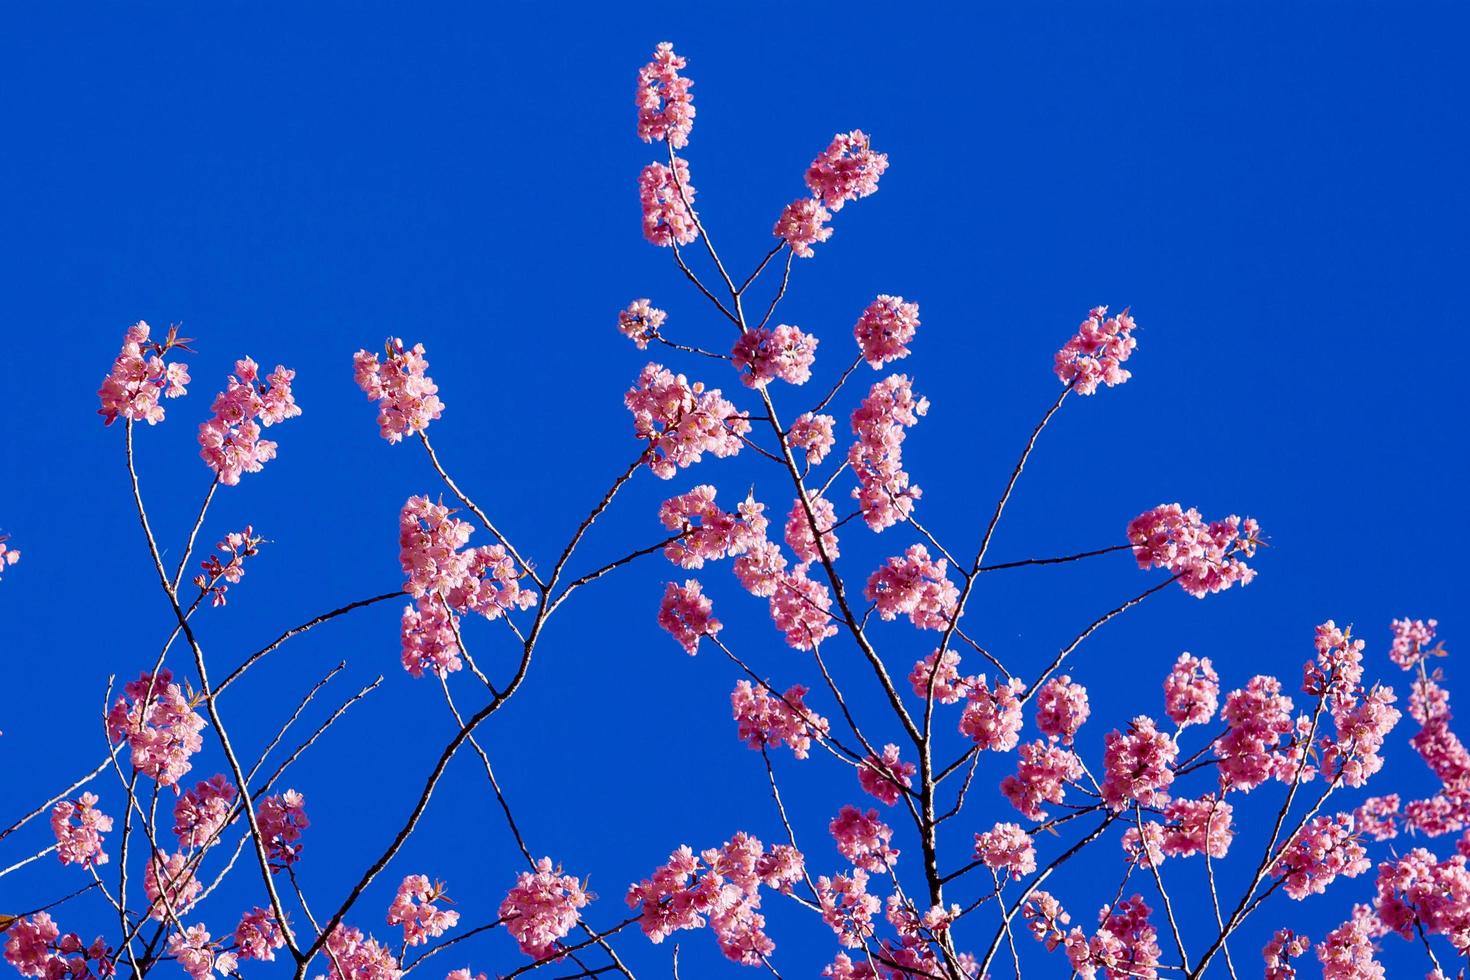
(1202, 555)
(1007, 847)
(200, 814)
(885, 329)
(803, 223)
(784, 352)
(877, 457)
(351, 957)
(1191, 691)
(1042, 772)
(408, 399)
(1377, 817)
(220, 575)
(667, 196)
(160, 725)
(720, 886)
(1411, 639)
(665, 105)
(640, 322)
(199, 957)
(1061, 708)
(140, 376)
(685, 613)
(1325, 849)
(170, 884)
(258, 936)
(913, 585)
(542, 908)
(800, 608)
(1096, 352)
(846, 170)
(36, 948)
(813, 435)
(229, 442)
(79, 826)
(1137, 766)
(681, 422)
(863, 839)
(799, 536)
(992, 717)
(887, 777)
(767, 720)
(413, 908)
(281, 819)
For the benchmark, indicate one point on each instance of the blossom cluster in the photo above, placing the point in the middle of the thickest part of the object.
(160, 726)
(79, 826)
(764, 719)
(408, 399)
(414, 908)
(140, 376)
(1096, 352)
(681, 422)
(219, 575)
(1201, 555)
(36, 947)
(665, 106)
(281, 820)
(229, 441)
(879, 422)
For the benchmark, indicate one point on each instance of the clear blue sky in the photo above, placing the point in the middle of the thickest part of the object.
(1278, 192)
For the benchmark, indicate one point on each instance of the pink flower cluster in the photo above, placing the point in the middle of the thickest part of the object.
(140, 376)
(413, 908)
(1201, 555)
(542, 908)
(943, 672)
(1125, 944)
(1420, 891)
(1138, 766)
(202, 812)
(799, 533)
(220, 575)
(281, 820)
(785, 353)
(766, 720)
(161, 727)
(1007, 847)
(229, 442)
(10, 556)
(170, 884)
(258, 936)
(802, 224)
(667, 196)
(351, 957)
(408, 399)
(1362, 717)
(1046, 919)
(801, 608)
(1061, 708)
(992, 718)
(1346, 953)
(1096, 353)
(813, 435)
(707, 533)
(1325, 849)
(915, 586)
(685, 613)
(846, 170)
(37, 948)
(682, 422)
(199, 957)
(665, 106)
(79, 826)
(864, 840)
(879, 422)
(1285, 945)
(640, 322)
(1259, 716)
(885, 329)
(1042, 772)
(1411, 639)
(848, 908)
(1191, 691)
(720, 886)
(887, 777)
(1192, 827)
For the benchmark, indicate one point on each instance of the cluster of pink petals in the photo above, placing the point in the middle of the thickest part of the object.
(992, 717)
(685, 613)
(942, 674)
(140, 376)
(281, 820)
(847, 907)
(844, 967)
(1046, 919)
(665, 106)
(1325, 849)
(765, 720)
(351, 957)
(681, 422)
(79, 826)
(170, 884)
(229, 442)
(707, 533)
(640, 322)
(463, 973)
(1061, 708)
(1285, 945)
(915, 586)
(1125, 944)
(1411, 639)
(1448, 810)
(413, 908)
(863, 839)
(800, 608)
(887, 777)
(1042, 771)
(201, 813)
(802, 224)
(666, 196)
(1362, 717)
(10, 556)
(918, 935)
(1137, 766)
(1191, 691)
(1201, 826)
(36, 948)
(235, 547)
(813, 435)
(1346, 953)
(721, 887)
(885, 329)
(783, 352)
(877, 457)
(1201, 555)
(198, 957)
(1378, 817)
(160, 725)
(258, 935)
(1259, 716)
(408, 399)
(846, 170)
(799, 535)
(427, 635)
(1096, 352)
(1007, 847)
(1419, 891)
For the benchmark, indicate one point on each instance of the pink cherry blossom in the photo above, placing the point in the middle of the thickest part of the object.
(1007, 847)
(799, 535)
(1125, 944)
(1419, 891)
(640, 322)
(665, 107)
(428, 640)
(281, 820)
(79, 826)
(885, 329)
(992, 718)
(877, 457)
(846, 170)
(351, 957)
(762, 568)
(1259, 717)
(800, 608)
(161, 727)
(685, 613)
(1284, 946)
(169, 882)
(1377, 817)
(803, 223)
(36, 947)
(1346, 953)
(1191, 691)
(681, 422)
(1061, 708)
(1096, 353)
(229, 442)
(258, 935)
(195, 953)
(913, 585)
(667, 196)
(408, 399)
(201, 813)
(414, 909)
(1411, 639)
(1046, 918)
(785, 352)
(220, 575)
(1201, 826)
(813, 435)
(948, 685)
(1325, 849)
(8, 555)
(1201, 555)
(768, 720)
(847, 907)
(708, 533)
(864, 839)
(1042, 771)
(140, 376)
(885, 778)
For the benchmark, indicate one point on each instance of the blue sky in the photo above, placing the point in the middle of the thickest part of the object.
(1276, 192)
